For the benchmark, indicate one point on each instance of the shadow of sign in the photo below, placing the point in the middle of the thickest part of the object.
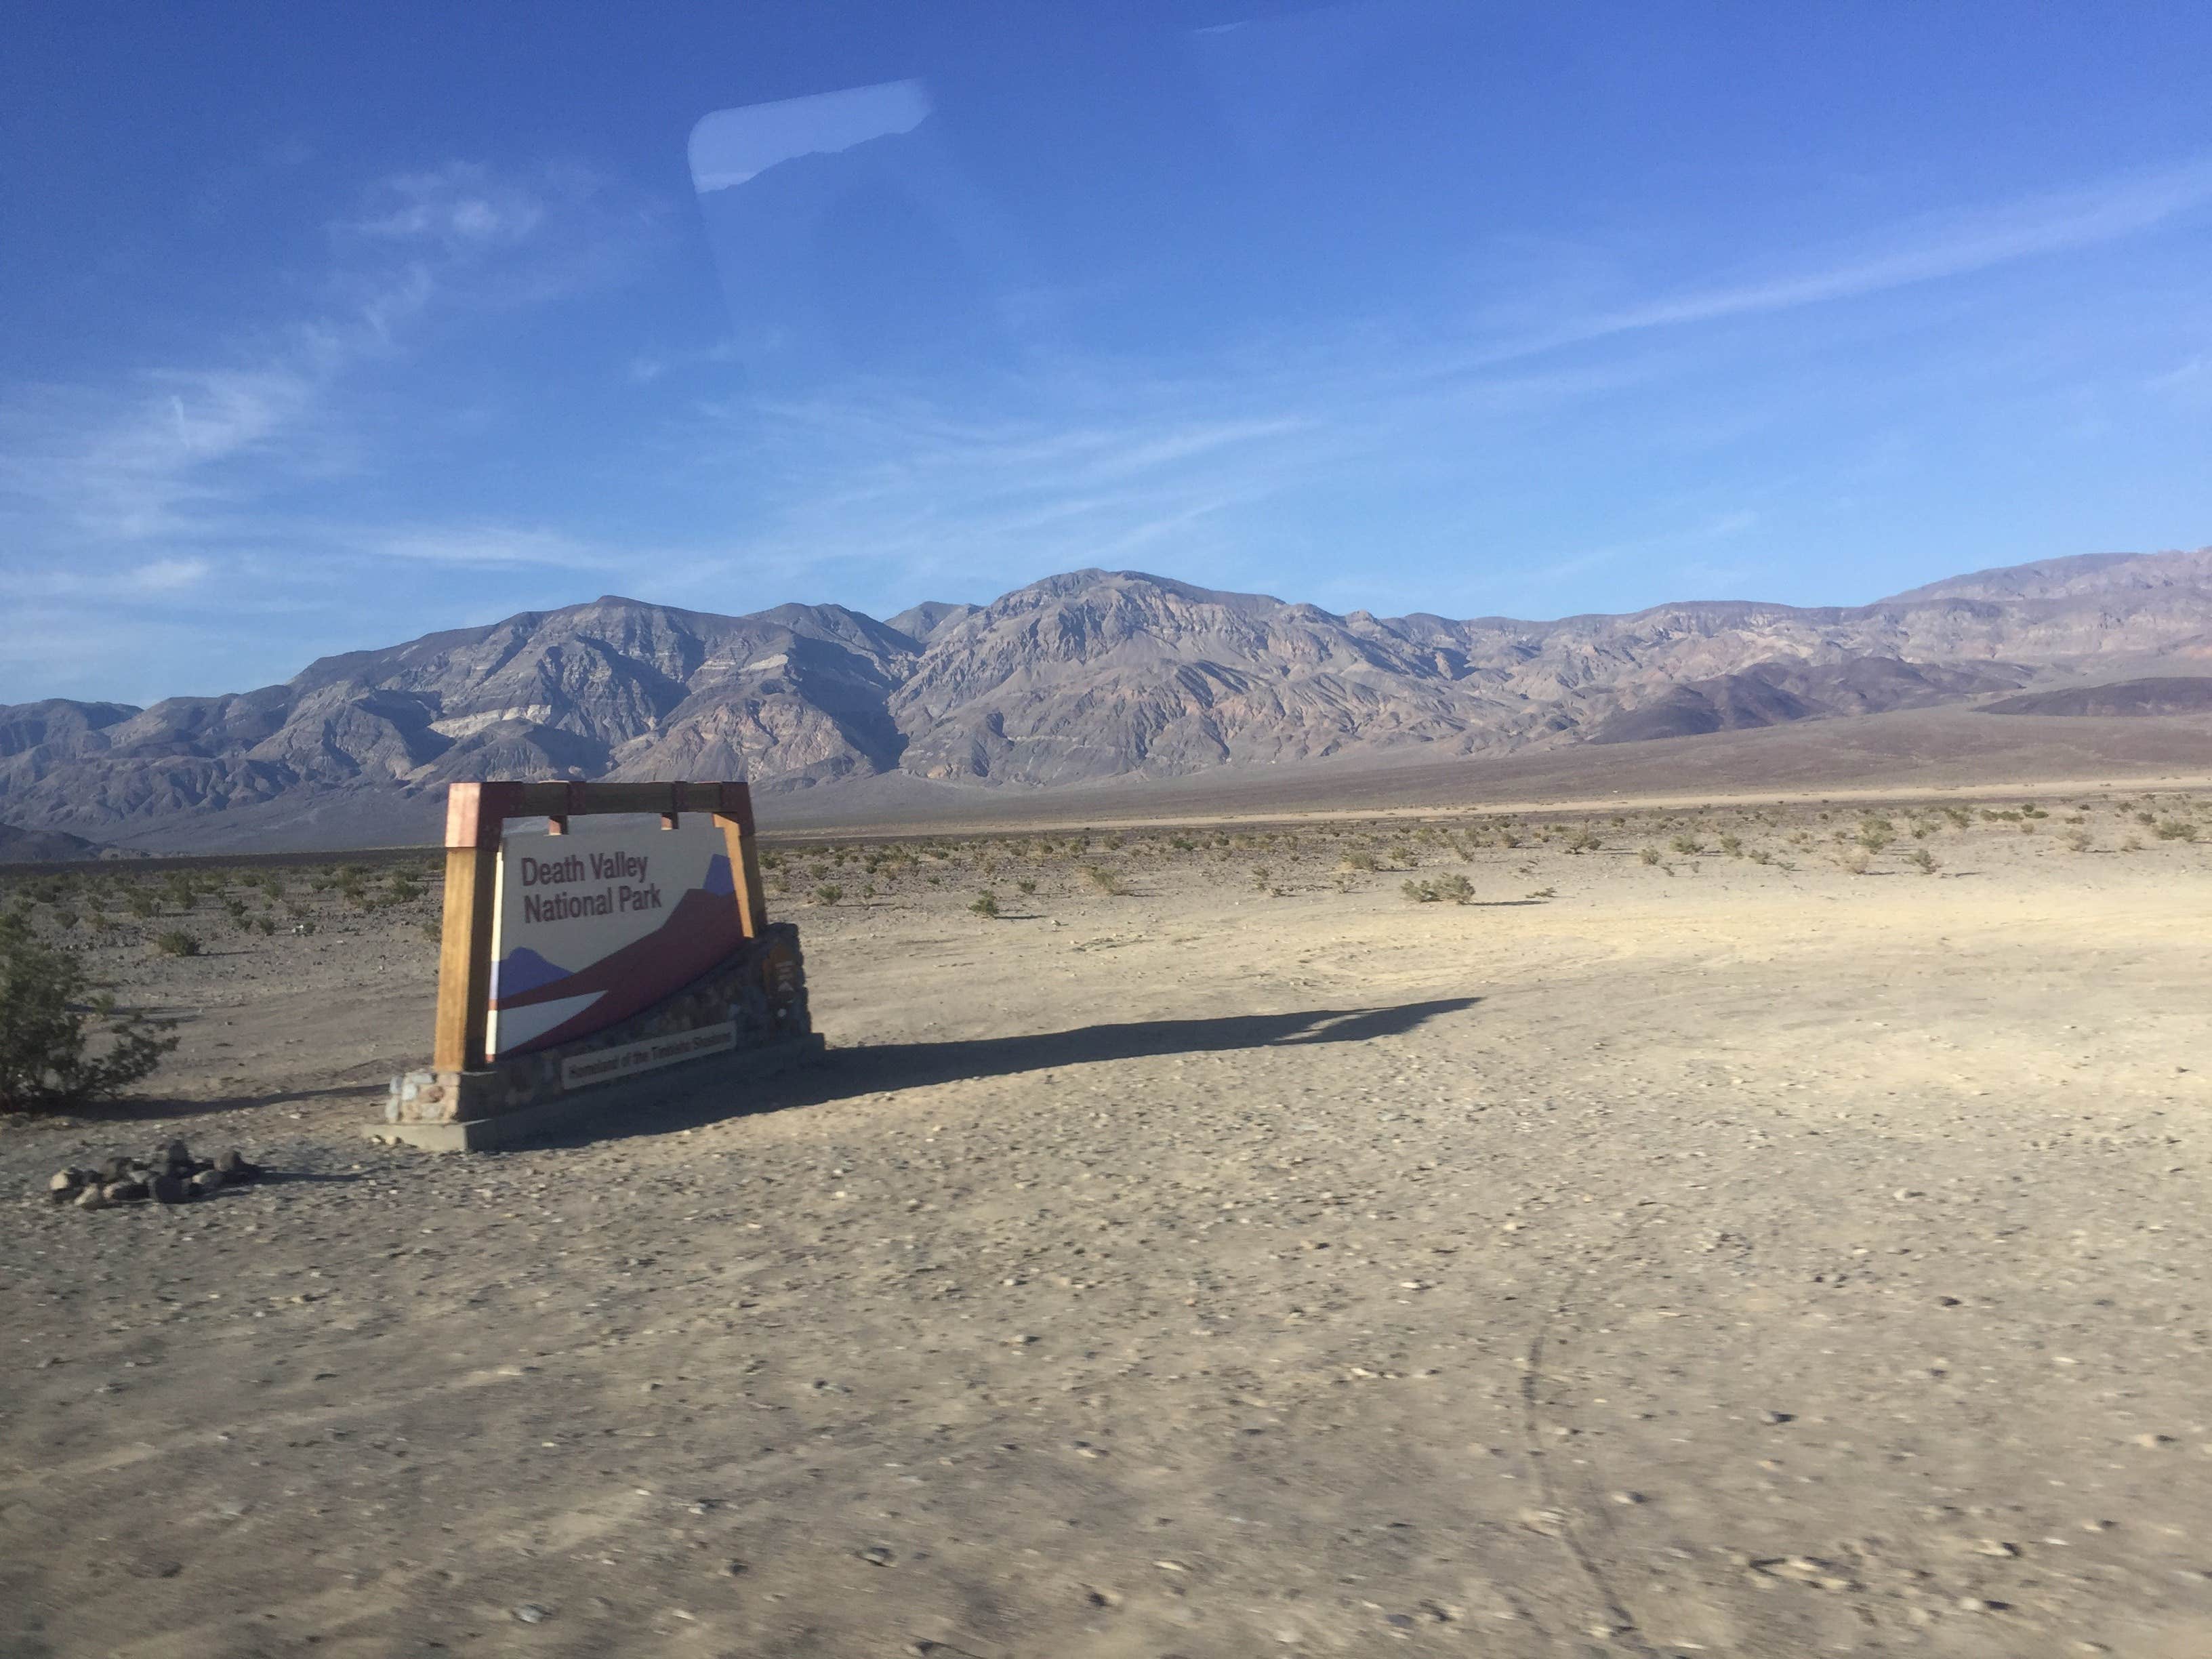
(848, 1071)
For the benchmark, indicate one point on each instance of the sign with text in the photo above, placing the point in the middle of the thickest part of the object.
(628, 1059)
(592, 928)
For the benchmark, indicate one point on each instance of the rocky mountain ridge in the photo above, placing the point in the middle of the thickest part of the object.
(1079, 677)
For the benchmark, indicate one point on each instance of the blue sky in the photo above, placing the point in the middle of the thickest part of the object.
(332, 326)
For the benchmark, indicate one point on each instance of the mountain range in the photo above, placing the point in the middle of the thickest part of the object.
(1078, 678)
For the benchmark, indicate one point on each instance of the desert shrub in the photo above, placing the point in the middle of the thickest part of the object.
(1260, 877)
(141, 905)
(1649, 854)
(50, 1015)
(828, 893)
(1358, 859)
(404, 890)
(1105, 880)
(1688, 845)
(1545, 893)
(64, 918)
(1452, 889)
(1856, 862)
(2175, 830)
(1759, 855)
(1025, 887)
(2077, 841)
(1583, 840)
(176, 942)
(985, 904)
(265, 926)
(1732, 845)
(1923, 860)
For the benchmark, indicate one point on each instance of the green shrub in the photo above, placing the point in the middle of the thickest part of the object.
(50, 1012)
(1105, 880)
(985, 904)
(828, 893)
(176, 942)
(2175, 830)
(1923, 860)
(1649, 854)
(1452, 889)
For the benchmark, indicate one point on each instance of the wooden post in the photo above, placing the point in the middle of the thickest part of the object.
(735, 819)
(474, 813)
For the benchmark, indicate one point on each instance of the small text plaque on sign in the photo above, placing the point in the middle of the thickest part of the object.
(606, 1065)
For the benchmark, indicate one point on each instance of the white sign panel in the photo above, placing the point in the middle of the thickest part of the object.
(592, 928)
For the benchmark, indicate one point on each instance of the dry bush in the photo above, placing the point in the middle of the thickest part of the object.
(1649, 854)
(1105, 880)
(1444, 889)
(1855, 861)
(1923, 860)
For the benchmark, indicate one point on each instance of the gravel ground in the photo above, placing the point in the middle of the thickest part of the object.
(1692, 1255)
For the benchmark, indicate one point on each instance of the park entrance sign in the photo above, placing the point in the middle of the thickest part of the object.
(572, 960)
(591, 928)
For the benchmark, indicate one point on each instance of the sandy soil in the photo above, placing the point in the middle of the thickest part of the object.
(1692, 1257)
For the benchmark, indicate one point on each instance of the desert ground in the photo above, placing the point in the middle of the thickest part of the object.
(1745, 1230)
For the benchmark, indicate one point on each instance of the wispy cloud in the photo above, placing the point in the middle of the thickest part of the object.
(1926, 249)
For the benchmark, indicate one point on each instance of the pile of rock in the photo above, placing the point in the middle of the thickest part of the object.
(173, 1176)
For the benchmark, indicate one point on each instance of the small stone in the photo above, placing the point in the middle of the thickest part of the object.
(531, 1614)
(2153, 1442)
(92, 1198)
(234, 1166)
(118, 1168)
(176, 1155)
(167, 1189)
(1977, 1604)
(1399, 1620)
(1628, 1498)
(65, 1185)
(206, 1181)
(1995, 1546)
(1774, 1418)
(124, 1192)
(876, 1556)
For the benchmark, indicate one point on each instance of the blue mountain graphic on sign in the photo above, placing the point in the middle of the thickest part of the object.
(718, 879)
(523, 969)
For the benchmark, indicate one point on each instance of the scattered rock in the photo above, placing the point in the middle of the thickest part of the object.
(175, 1176)
(1773, 1418)
(877, 1556)
(531, 1614)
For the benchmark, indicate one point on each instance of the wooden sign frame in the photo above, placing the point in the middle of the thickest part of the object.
(476, 818)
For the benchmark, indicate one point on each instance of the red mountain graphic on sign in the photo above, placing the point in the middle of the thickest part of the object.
(699, 933)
